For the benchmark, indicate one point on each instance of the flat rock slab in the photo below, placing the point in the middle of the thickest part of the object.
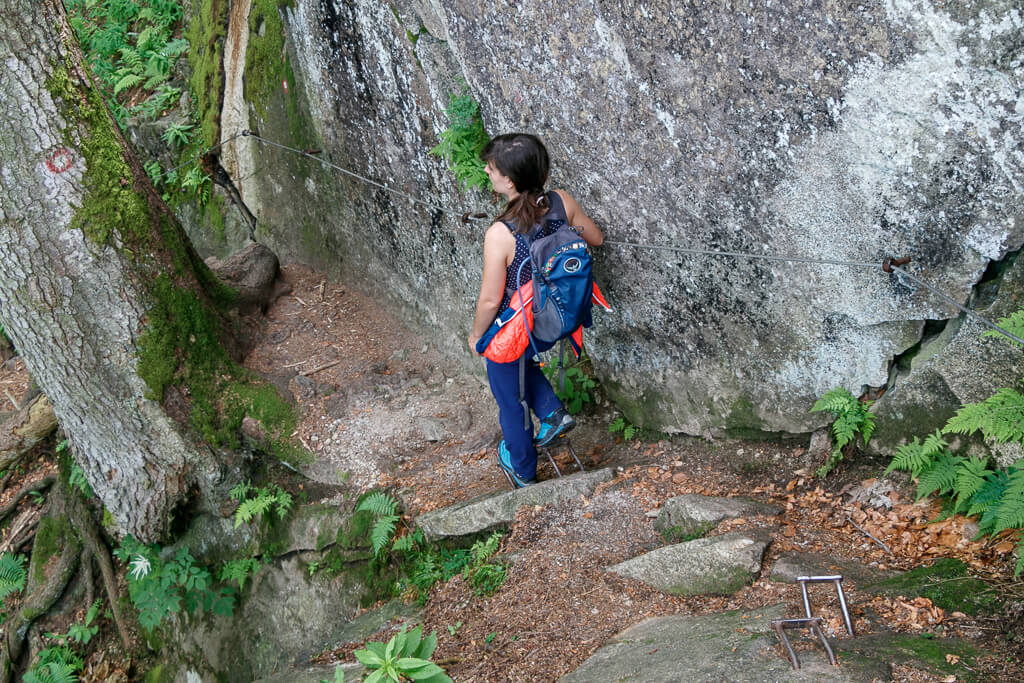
(791, 565)
(733, 646)
(486, 512)
(692, 515)
(720, 565)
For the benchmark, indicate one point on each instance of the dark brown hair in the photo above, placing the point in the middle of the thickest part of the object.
(524, 159)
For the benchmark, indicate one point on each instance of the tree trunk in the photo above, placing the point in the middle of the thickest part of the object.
(84, 240)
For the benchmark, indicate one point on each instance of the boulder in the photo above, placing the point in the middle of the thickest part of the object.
(720, 565)
(486, 512)
(692, 515)
(252, 272)
(735, 647)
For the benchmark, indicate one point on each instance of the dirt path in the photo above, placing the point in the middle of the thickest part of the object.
(387, 410)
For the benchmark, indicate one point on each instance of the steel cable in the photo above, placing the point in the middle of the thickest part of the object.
(686, 250)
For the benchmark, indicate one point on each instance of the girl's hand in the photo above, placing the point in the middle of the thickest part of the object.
(472, 344)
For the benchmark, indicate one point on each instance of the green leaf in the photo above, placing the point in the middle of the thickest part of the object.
(376, 677)
(418, 669)
(369, 659)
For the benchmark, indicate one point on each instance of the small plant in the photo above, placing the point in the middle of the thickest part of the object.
(454, 628)
(576, 386)
(852, 418)
(405, 656)
(385, 508)
(339, 676)
(80, 633)
(489, 638)
(239, 571)
(158, 588)
(463, 140)
(76, 477)
(258, 502)
(626, 428)
(177, 135)
(12, 575)
(485, 577)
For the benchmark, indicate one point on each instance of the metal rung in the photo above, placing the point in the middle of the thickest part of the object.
(814, 625)
(557, 443)
(837, 581)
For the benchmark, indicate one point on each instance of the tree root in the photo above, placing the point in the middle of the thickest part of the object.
(82, 519)
(41, 485)
(43, 597)
(21, 531)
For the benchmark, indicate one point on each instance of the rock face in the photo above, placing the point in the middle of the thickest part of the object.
(848, 132)
(285, 614)
(480, 514)
(732, 646)
(707, 566)
(693, 515)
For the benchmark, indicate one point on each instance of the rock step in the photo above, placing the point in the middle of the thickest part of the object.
(685, 517)
(720, 565)
(489, 511)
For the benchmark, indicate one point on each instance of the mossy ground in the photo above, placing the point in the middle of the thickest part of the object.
(947, 584)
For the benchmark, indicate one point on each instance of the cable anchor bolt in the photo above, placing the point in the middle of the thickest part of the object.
(889, 262)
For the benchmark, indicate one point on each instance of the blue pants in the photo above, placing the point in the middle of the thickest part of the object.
(518, 431)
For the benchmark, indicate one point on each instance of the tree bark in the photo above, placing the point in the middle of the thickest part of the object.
(78, 269)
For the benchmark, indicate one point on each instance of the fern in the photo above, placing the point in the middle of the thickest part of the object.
(382, 532)
(1014, 324)
(379, 503)
(916, 457)
(126, 81)
(970, 477)
(940, 477)
(852, 418)
(54, 672)
(239, 571)
(1010, 512)
(12, 574)
(999, 417)
(989, 493)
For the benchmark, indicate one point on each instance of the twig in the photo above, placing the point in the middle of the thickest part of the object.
(11, 398)
(448, 660)
(300, 301)
(295, 365)
(866, 533)
(307, 373)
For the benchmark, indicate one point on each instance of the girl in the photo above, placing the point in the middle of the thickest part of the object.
(517, 164)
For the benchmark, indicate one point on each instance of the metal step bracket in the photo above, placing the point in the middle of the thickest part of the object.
(837, 581)
(814, 625)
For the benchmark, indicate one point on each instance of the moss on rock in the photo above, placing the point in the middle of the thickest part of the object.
(205, 36)
(946, 583)
(50, 540)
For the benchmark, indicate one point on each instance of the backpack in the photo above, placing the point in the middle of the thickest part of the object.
(563, 281)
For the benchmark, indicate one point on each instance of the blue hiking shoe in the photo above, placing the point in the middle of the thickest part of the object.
(553, 426)
(505, 463)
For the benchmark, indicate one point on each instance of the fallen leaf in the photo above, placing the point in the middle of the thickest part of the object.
(952, 659)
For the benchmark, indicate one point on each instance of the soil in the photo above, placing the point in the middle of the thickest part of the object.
(382, 408)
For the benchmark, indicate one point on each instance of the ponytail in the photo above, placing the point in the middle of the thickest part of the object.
(524, 159)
